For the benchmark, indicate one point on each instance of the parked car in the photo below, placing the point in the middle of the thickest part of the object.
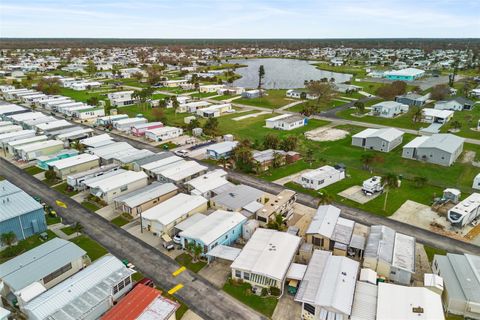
(182, 153)
(168, 245)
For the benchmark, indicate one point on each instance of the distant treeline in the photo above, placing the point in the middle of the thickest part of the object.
(425, 44)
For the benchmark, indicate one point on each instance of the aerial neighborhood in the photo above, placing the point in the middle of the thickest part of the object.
(184, 181)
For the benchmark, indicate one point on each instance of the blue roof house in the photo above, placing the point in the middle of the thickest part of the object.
(19, 212)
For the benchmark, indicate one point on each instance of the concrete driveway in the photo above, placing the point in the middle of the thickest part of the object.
(287, 309)
(216, 272)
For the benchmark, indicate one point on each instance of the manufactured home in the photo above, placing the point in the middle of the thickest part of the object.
(321, 177)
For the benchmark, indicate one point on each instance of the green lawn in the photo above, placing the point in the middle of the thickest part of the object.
(370, 87)
(356, 71)
(119, 221)
(52, 220)
(167, 146)
(33, 170)
(90, 206)
(433, 251)
(273, 100)
(243, 293)
(186, 260)
(93, 249)
(403, 121)
(23, 246)
(158, 96)
(68, 230)
(63, 188)
(323, 107)
(83, 96)
(224, 97)
(203, 94)
(468, 120)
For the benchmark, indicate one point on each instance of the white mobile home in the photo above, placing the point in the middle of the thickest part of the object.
(54, 125)
(110, 188)
(10, 128)
(161, 219)
(216, 110)
(286, 122)
(13, 146)
(5, 138)
(76, 180)
(163, 134)
(107, 120)
(72, 165)
(121, 98)
(385, 139)
(30, 152)
(181, 172)
(127, 124)
(321, 177)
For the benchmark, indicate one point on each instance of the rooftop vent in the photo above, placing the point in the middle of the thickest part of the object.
(417, 310)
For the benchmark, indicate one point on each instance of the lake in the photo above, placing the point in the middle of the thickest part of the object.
(282, 73)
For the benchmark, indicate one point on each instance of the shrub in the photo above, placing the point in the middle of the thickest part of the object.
(274, 291)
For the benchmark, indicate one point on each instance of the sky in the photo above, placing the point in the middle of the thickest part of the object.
(240, 18)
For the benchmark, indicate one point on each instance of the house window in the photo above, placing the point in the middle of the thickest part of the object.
(57, 273)
(121, 285)
(127, 281)
(246, 276)
(124, 188)
(317, 241)
(238, 273)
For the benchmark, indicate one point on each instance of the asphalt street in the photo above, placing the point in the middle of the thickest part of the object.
(199, 294)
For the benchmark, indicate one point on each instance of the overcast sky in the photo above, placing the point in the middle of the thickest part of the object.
(240, 18)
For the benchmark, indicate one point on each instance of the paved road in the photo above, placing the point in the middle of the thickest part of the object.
(198, 293)
(423, 236)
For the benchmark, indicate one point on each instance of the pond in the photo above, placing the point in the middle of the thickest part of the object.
(282, 73)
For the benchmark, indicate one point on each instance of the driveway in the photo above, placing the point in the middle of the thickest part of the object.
(287, 309)
(199, 294)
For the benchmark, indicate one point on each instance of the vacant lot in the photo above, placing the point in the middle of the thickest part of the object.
(273, 100)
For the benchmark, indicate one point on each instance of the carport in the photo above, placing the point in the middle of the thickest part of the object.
(224, 252)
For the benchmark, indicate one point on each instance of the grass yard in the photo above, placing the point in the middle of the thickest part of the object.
(468, 120)
(243, 293)
(33, 170)
(356, 71)
(93, 249)
(63, 188)
(172, 118)
(52, 220)
(83, 96)
(403, 121)
(23, 246)
(90, 206)
(158, 96)
(119, 221)
(186, 260)
(273, 100)
(203, 94)
(324, 107)
(370, 87)
(224, 97)
(68, 230)
(433, 251)
(167, 146)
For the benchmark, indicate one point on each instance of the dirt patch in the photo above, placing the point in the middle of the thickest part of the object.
(424, 217)
(326, 134)
(356, 194)
(468, 157)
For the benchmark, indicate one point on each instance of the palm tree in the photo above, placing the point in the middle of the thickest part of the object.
(367, 160)
(8, 238)
(261, 75)
(277, 160)
(390, 181)
(309, 157)
(325, 198)
(417, 114)
(78, 146)
(276, 223)
(78, 228)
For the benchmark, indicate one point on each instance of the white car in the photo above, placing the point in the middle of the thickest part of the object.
(182, 153)
(177, 239)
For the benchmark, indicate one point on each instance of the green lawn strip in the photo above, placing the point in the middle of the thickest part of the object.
(370, 87)
(93, 249)
(433, 251)
(167, 145)
(119, 221)
(33, 170)
(203, 94)
(274, 99)
(23, 246)
(158, 96)
(63, 188)
(2, 178)
(68, 230)
(224, 97)
(52, 220)
(402, 121)
(286, 170)
(243, 292)
(186, 260)
(357, 71)
(84, 95)
(90, 206)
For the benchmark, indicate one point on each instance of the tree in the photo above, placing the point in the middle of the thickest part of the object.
(420, 181)
(271, 141)
(91, 68)
(261, 76)
(417, 114)
(390, 91)
(322, 90)
(154, 73)
(143, 95)
(325, 198)
(243, 157)
(49, 86)
(367, 160)
(175, 103)
(8, 238)
(277, 159)
(276, 223)
(308, 109)
(455, 125)
(390, 181)
(194, 123)
(290, 143)
(211, 127)
(440, 92)
(78, 146)
(93, 101)
(50, 175)
(309, 157)
(78, 228)
(360, 106)
(194, 249)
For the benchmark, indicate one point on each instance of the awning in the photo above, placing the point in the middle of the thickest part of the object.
(296, 271)
(224, 252)
(166, 238)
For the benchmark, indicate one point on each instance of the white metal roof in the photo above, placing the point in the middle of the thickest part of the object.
(320, 173)
(268, 253)
(212, 227)
(388, 134)
(430, 112)
(73, 161)
(406, 299)
(95, 139)
(190, 221)
(82, 291)
(147, 193)
(404, 252)
(365, 302)
(160, 163)
(174, 208)
(324, 221)
(53, 125)
(209, 181)
(182, 170)
(296, 271)
(224, 252)
(124, 178)
(40, 145)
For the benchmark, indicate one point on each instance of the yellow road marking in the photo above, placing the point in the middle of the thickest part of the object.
(61, 204)
(180, 270)
(175, 289)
